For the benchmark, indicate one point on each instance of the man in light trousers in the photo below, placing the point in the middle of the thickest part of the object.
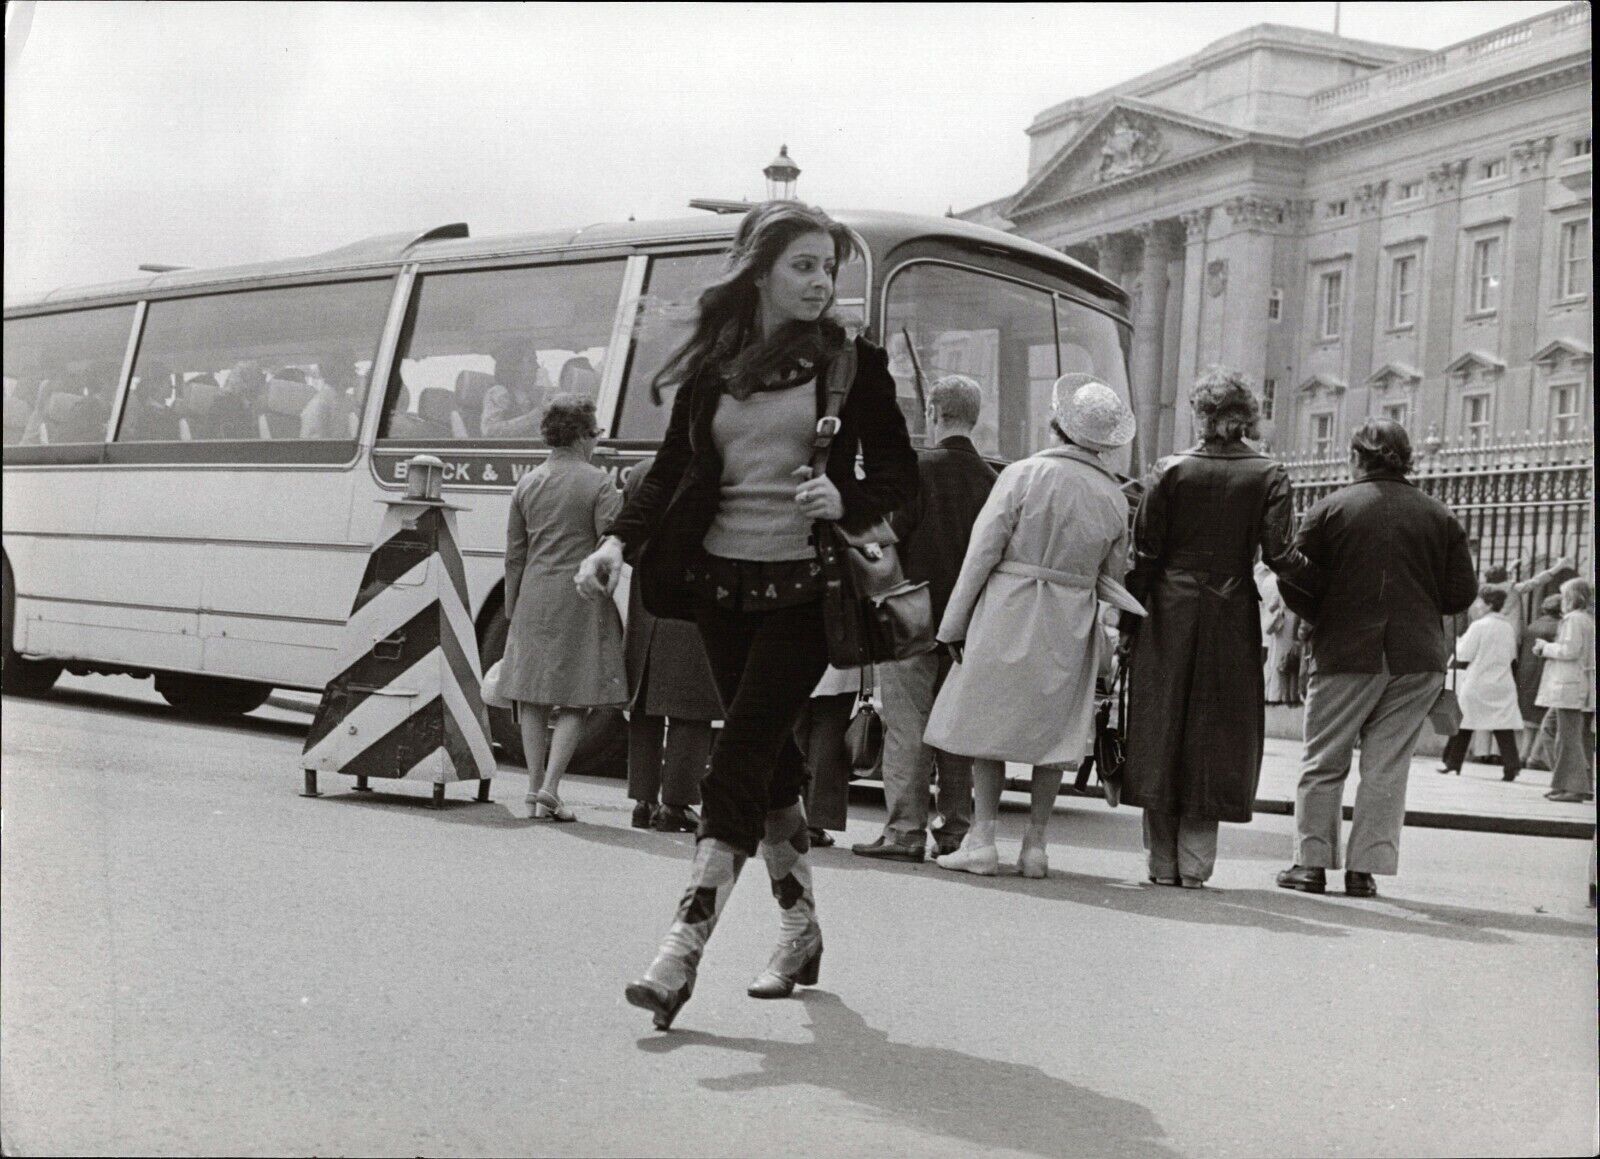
(1394, 562)
(933, 534)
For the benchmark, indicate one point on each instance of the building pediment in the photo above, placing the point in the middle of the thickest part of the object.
(1128, 139)
(1393, 374)
(1553, 355)
(1475, 364)
(1323, 382)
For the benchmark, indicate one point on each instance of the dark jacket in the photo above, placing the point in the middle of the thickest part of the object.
(1196, 700)
(1395, 562)
(666, 660)
(663, 526)
(953, 481)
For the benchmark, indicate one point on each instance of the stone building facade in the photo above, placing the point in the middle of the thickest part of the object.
(1360, 228)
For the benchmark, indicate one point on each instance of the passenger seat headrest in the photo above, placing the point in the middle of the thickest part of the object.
(286, 397)
(436, 404)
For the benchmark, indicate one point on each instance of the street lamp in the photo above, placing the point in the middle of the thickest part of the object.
(781, 176)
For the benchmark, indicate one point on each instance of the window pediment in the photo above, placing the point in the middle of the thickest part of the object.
(1474, 365)
(1320, 383)
(1394, 374)
(1553, 355)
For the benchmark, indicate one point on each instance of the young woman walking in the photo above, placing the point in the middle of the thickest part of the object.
(720, 533)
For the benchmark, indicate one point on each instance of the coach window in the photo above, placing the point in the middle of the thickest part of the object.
(257, 365)
(484, 350)
(61, 374)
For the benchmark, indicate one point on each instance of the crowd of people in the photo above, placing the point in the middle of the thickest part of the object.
(1209, 607)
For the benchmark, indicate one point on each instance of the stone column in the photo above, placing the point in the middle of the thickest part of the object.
(1433, 399)
(1113, 262)
(1149, 321)
(1363, 323)
(1523, 294)
(1195, 224)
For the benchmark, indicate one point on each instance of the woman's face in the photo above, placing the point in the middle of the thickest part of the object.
(799, 285)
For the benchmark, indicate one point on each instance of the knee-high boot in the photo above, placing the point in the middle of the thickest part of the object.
(799, 954)
(669, 981)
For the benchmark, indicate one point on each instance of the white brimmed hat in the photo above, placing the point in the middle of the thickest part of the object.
(1091, 413)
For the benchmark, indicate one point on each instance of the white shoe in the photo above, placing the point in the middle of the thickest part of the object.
(983, 860)
(1033, 862)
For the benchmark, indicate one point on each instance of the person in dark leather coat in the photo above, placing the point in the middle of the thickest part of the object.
(1196, 697)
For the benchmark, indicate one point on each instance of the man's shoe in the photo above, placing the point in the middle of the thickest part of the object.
(675, 819)
(643, 813)
(1359, 884)
(1304, 878)
(1569, 798)
(820, 838)
(892, 849)
(943, 845)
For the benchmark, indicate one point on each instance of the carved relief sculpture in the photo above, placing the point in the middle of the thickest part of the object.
(1256, 212)
(1131, 146)
(1369, 197)
(1529, 156)
(1194, 224)
(1216, 277)
(1446, 178)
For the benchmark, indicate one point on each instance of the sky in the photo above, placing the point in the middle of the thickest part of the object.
(215, 133)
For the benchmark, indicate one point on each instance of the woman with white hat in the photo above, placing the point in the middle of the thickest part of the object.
(1021, 620)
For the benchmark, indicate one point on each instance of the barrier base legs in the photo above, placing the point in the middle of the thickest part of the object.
(483, 789)
(362, 786)
(311, 784)
(438, 795)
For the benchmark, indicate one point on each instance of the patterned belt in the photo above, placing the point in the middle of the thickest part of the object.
(753, 585)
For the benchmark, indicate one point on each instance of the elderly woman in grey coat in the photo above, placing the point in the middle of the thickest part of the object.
(563, 653)
(1022, 619)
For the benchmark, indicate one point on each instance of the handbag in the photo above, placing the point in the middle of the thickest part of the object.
(490, 688)
(1109, 756)
(871, 612)
(1445, 715)
(863, 738)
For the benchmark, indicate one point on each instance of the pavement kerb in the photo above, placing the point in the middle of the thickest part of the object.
(1416, 818)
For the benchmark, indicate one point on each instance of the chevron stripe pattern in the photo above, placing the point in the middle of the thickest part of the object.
(405, 700)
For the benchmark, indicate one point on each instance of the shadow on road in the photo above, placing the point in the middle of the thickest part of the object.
(985, 1102)
(100, 702)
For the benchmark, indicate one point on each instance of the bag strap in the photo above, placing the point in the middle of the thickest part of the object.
(869, 677)
(839, 378)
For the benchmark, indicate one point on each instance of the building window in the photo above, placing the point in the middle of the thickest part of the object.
(1582, 146)
(1269, 397)
(1331, 302)
(1409, 191)
(1486, 275)
(1400, 412)
(1275, 306)
(1475, 419)
(1340, 208)
(1572, 280)
(1492, 170)
(1403, 292)
(1564, 413)
(1322, 434)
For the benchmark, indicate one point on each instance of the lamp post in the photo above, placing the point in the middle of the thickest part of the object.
(781, 176)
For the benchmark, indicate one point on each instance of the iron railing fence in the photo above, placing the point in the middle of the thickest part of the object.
(1521, 499)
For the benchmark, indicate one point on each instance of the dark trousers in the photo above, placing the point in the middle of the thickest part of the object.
(1455, 750)
(672, 769)
(765, 664)
(820, 735)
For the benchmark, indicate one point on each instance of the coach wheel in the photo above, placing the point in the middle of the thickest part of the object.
(18, 675)
(211, 696)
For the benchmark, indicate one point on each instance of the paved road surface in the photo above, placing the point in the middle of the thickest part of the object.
(198, 961)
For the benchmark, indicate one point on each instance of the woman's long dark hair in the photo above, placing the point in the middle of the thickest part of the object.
(725, 335)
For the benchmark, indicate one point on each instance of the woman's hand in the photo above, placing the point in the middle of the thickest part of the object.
(818, 498)
(956, 648)
(601, 569)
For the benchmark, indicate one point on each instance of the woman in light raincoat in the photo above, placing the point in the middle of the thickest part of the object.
(1022, 618)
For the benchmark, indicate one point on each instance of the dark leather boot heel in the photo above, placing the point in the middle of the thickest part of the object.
(775, 983)
(811, 970)
(659, 1000)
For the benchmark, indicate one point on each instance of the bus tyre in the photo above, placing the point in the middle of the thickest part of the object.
(211, 696)
(603, 746)
(19, 676)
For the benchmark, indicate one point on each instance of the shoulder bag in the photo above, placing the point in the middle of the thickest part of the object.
(871, 612)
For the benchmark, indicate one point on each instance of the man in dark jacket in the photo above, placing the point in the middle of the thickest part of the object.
(934, 530)
(1394, 562)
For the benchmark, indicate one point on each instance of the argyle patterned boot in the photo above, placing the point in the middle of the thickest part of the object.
(669, 981)
(799, 953)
